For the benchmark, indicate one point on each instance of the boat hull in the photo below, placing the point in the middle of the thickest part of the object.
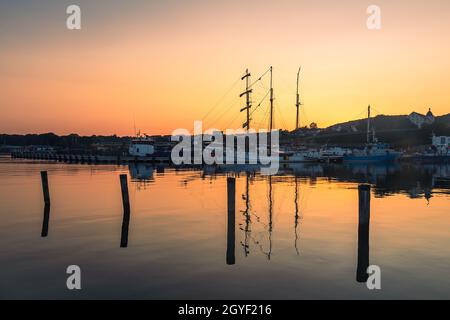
(296, 159)
(371, 158)
(429, 159)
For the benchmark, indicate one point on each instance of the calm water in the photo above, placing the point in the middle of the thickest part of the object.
(296, 233)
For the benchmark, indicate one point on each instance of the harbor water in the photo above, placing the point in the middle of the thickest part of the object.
(295, 234)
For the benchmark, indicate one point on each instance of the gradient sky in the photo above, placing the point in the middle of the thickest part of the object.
(167, 63)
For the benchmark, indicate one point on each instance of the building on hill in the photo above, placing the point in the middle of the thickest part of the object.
(442, 144)
(419, 119)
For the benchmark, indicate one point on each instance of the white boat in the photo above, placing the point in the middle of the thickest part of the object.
(332, 154)
(298, 156)
(141, 147)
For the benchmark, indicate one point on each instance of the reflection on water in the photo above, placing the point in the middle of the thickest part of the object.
(388, 179)
(300, 233)
(231, 232)
(363, 232)
(297, 216)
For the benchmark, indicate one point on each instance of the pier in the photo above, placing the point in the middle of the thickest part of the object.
(90, 159)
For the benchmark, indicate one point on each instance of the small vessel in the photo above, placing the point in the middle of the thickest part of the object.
(373, 150)
(298, 156)
(332, 155)
(141, 146)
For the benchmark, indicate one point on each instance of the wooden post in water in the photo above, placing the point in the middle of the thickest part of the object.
(44, 179)
(46, 193)
(45, 221)
(126, 210)
(231, 196)
(363, 233)
(125, 226)
(125, 196)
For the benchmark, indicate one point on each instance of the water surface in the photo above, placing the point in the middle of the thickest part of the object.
(296, 233)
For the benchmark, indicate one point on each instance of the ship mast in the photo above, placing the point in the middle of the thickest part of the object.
(297, 103)
(368, 124)
(247, 92)
(271, 103)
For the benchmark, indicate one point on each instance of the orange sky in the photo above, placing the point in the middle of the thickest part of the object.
(167, 63)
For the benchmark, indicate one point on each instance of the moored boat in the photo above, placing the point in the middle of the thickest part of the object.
(332, 155)
(373, 150)
(145, 147)
(298, 156)
(141, 147)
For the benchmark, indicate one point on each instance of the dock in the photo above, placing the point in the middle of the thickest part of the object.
(87, 158)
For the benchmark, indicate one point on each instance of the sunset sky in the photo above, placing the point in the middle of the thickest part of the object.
(164, 64)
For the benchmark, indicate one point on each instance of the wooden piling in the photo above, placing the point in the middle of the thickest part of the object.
(45, 221)
(126, 210)
(125, 196)
(363, 232)
(125, 227)
(231, 196)
(44, 179)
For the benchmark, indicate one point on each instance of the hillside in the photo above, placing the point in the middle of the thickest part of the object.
(386, 123)
(397, 130)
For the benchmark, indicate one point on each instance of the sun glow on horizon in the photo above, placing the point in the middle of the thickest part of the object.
(165, 65)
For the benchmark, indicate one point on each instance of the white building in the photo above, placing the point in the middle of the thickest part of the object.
(442, 144)
(419, 119)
